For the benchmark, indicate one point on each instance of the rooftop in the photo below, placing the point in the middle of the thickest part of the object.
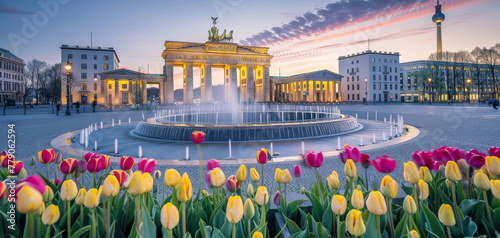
(86, 47)
(8, 55)
(370, 52)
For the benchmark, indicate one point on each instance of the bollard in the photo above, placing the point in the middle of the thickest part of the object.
(140, 151)
(303, 148)
(116, 146)
(230, 150)
(338, 143)
(83, 109)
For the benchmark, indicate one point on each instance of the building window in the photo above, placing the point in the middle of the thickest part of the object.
(84, 75)
(357, 69)
(83, 86)
(396, 69)
(374, 97)
(374, 69)
(124, 86)
(379, 86)
(380, 78)
(95, 57)
(396, 86)
(373, 59)
(106, 57)
(352, 96)
(106, 66)
(352, 62)
(95, 75)
(347, 70)
(70, 56)
(348, 79)
(358, 96)
(84, 56)
(347, 87)
(374, 86)
(396, 96)
(390, 78)
(84, 66)
(357, 61)
(374, 77)
(110, 86)
(357, 86)
(95, 66)
(357, 78)
(391, 86)
(385, 77)
(379, 69)
(347, 96)
(385, 86)
(385, 60)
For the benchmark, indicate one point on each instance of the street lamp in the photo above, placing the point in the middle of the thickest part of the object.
(430, 91)
(68, 68)
(468, 90)
(366, 90)
(95, 89)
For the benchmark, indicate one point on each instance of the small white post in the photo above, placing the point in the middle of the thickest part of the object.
(140, 151)
(385, 120)
(303, 148)
(390, 118)
(272, 149)
(143, 116)
(187, 152)
(82, 137)
(116, 146)
(356, 116)
(95, 145)
(113, 122)
(119, 122)
(230, 151)
(95, 126)
(391, 132)
(101, 125)
(129, 120)
(383, 136)
(90, 128)
(338, 143)
(86, 137)
(374, 138)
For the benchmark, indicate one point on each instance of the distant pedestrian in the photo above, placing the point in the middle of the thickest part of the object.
(77, 107)
(495, 104)
(94, 104)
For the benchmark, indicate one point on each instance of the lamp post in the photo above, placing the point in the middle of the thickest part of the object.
(68, 68)
(468, 90)
(430, 90)
(366, 90)
(95, 89)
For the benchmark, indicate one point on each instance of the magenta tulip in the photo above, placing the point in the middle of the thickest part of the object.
(89, 156)
(384, 164)
(277, 198)
(494, 151)
(95, 165)
(33, 181)
(16, 168)
(297, 171)
(81, 166)
(208, 180)
(197, 137)
(424, 158)
(314, 159)
(212, 164)
(351, 152)
(147, 165)
(68, 166)
(47, 156)
(126, 163)
(365, 161)
(232, 184)
(7, 160)
(475, 159)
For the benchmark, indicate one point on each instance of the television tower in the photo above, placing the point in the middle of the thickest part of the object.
(438, 18)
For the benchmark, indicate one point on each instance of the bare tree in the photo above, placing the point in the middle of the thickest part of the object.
(476, 60)
(34, 74)
(137, 87)
(52, 86)
(491, 57)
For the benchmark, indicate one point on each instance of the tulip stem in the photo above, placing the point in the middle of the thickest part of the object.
(378, 227)
(338, 224)
(262, 175)
(448, 231)
(163, 196)
(55, 176)
(31, 224)
(69, 218)
(183, 204)
(47, 234)
(391, 221)
(366, 178)
(93, 227)
(171, 234)
(32, 170)
(487, 207)
(81, 216)
(234, 230)
(415, 193)
(48, 173)
(108, 234)
(457, 215)
(93, 180)
(137, 201)
(249, 227)
(201, 165)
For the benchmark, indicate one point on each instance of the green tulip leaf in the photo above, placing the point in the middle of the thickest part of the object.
(469, 227)
(302, 234)
(217, 234)
(432, 223)
(81, 231)
(468, 205)
(371, 227)
(148, 228)
(187, 235)
(317, 208)
(408, 190)
(455, 232)
(460, 192)
(293, 205)
(401, 227)
(47, 182)
(292, 226)
(342, 230)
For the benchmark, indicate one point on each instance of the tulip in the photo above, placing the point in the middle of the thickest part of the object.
(411, 173)
(286, 177)
(80, 198)
(409, 205)
(241, 173)
(169, 216)
(277, 198)
(110, 187)
(375, 203)
(95, 165)
(357, 199)
(481, 181)
(33, 161)
(354, 223)
(197, 137)
(33, 181)
(261, 197)
(204, 193)
(171, 178)
(350, 169)
(232, 184)
(384, 164)
(92, 198)
(147, 165)
(493, 151)
(452, 171)
(248, 209)
(249, 190)
(106, 161)
(207, 179)
(389, 187)
(47, 156)
(120, 176)
(48, 195)
(424, 190)
(68, 190)
(339, 204)
(234, 210)
(50, 215)
(365, 161)
(262, 156)
(157, 174)
(257, 235)
(148, 182)
(475, 159)
(297, 171)
(136, 184)
(446, 216)
(40, 210)
(127, 162)
(3, 189)
(254, 175)
(17, 168)
(414, 234)
(333, 180)
(463, 165)
(68, 166)
(217, 177)
(425, 174)
(424, 158)
(28, 200)
(81, 166)
(495, 188)
(212, 164)
(493, 165)
(185, 191)
(7, 160)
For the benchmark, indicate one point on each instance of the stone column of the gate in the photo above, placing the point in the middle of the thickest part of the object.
(230, 83)
(206, 83)
(168, 83)
(266, 85)
(116, 100)
(243, 84)
(188, 83)
(250, 84)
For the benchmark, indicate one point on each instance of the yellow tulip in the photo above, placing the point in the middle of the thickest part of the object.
(217, 177)
(169, 216)
(110, 187)
(286, 177)
(414, 234)
(234, 209)
(409, 205)
(248, 209)
(136, 186)
(68, 190)
(249, 189)
(40, 210)
(148, 182)
(80, 198)
(204, 193)
(446, 215)
(354, 223)
(171, 178)
(357, 199)
(48, 195)
(185, 191)
(333, 180)
(50, 215)
(495, 188)
(29, 200)
(241, 173)
(339, 204)
(92, 198)
(375, 203)
(411, 173)
(278, 175)
(254, 175)
(482, 181)
(425, 174)
(452, 171)
(350, 169)
(261, 197)
(389, 187)
(424, 190)
(493, 165)
(257, 235)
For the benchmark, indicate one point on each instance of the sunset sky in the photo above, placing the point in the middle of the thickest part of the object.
(302, 35)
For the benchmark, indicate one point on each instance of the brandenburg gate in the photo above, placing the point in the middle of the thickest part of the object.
(253, 64)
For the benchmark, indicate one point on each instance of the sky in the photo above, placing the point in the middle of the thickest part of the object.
(302, 36)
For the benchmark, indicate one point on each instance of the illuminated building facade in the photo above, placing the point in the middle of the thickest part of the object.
(12, 80)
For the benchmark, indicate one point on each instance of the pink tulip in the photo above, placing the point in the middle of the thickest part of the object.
(7, 160)
(384, 164)
(475, 159)
(95, 165)
(424, 158)
(314, 159)
(212, 164)
(33, 181)
(232, 184)
(68, 166)
(4, 153)
(297, 171)
(47, 156)
(82, 166)
(365, 161)
(351, 152)
(277, 198)
(127, 162)
(197, 137)
(89, 156)
(56, 181)
(17, 167)
(147, 165)
(494, 151)
(208, 180)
